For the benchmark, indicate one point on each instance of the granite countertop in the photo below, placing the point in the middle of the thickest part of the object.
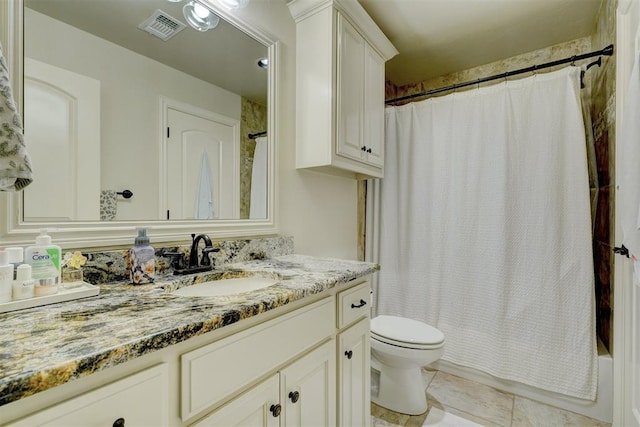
(48, 346)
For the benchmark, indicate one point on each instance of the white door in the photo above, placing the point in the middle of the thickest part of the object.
(258, 407)
(190, 136)
(309, 389)
(626, 351)
(62, 131)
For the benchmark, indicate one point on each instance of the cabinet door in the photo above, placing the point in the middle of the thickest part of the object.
(309, 388)
(350, 86)
(354, 385)
(139, 400)
(258, 407)
(373, 107)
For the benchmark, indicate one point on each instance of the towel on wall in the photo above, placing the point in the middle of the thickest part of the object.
(204, 197)
(15, 165)
(258, 207)
(108, 205)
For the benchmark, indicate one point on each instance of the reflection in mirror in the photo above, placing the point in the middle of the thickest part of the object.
(124, 95)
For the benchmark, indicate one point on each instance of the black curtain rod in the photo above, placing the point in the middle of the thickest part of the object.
(257, 134)
(607, 51)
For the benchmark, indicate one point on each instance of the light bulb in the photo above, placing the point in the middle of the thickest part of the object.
(234, 4)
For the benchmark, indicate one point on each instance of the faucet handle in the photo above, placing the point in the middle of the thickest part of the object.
(177, 259)
(205, 255)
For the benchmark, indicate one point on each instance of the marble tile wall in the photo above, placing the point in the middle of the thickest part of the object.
(602, 82)
(253, 120)
(600, 94)
(111, 266)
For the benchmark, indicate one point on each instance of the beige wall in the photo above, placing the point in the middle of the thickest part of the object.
(318, 210)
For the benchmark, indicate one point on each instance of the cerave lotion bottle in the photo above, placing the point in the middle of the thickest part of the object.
(44, 259)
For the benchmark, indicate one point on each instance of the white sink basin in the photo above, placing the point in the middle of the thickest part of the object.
(225, 287)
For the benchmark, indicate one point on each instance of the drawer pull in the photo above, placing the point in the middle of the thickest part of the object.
(368, 150)
(275, 410)
(294, 396)
(363, 148)
(362, 304)
(349, 354)
(119, 422)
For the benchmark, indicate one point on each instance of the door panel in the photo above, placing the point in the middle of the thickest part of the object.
(190, 137)
(62, 132)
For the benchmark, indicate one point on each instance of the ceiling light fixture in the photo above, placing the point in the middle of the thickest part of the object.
(263, 63)
(234, 4)
(199, 17)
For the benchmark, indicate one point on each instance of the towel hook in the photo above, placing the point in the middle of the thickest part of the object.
(126, 194)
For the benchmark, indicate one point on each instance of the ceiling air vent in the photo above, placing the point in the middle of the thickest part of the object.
(162, 25)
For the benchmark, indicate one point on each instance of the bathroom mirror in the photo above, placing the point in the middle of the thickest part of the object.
(126, 96)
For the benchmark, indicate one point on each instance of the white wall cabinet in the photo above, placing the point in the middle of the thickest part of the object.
(340, 56)
(305, 365)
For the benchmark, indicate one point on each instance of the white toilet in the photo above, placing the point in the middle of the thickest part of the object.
(400, 347)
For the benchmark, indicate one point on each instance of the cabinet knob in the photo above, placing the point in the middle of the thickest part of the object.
(368, 150)
(362, 304)
(349, 354)
(294, 396)
(119, 422)
(363, 148)
(275, 410)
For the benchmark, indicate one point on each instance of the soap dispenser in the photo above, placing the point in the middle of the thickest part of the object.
(142, 259)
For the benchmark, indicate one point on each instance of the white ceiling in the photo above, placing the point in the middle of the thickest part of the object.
(437, 37)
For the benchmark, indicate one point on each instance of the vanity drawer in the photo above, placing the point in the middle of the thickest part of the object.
(354, 303)
(140, 399)
(214, 372)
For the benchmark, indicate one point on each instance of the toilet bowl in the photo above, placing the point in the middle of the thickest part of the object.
(400, 347)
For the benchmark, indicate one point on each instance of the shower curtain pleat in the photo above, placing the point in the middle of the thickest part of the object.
(485, 229)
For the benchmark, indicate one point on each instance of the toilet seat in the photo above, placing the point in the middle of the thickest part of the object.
(408, 333)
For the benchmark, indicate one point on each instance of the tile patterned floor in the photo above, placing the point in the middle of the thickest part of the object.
(481, 404)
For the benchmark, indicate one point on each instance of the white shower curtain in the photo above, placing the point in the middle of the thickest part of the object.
(485, 231)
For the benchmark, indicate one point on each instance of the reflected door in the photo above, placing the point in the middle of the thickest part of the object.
(62, 134)
(190, 138)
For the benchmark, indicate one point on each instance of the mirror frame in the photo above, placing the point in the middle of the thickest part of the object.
(84, 234)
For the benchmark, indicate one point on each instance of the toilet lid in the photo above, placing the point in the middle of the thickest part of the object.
(407, 331)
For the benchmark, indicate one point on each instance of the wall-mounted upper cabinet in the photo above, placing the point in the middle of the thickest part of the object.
(340, 56)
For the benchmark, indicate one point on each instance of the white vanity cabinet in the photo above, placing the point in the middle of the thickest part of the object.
(141, 399)
(354, 356)
(257, 407)
(340, 57)
(301, 394)
(286, 367)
